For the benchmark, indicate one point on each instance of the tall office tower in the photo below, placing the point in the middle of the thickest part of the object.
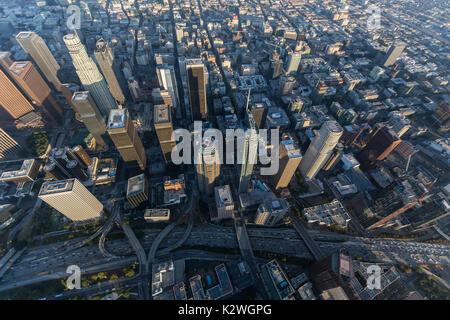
(393, 53)
(91, 79)
(137, 190)
(259, 112)
(208, 166)
(320, 149)
(276, 68)
(37, 90)
(168, 81)
(164, 130)
(11, 99)
(249, 154)
(5, 61)
(197, 88)
(7, 144)
(123, 133)
(290, 157)
(224, 203)
(105, 59)
(286, 85)
(82, 155)
(334, 157)
(90, 115)
(35, 46)
(292, 63)
(72, 199)
(381, 143)
(135, 89)
(271, 211)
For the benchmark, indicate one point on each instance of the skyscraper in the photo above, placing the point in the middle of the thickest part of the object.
(11, 99)
(249, 153)
(5, 61)
(90, 115)
(164, 130)
(91, 79)
(137, 190)
(292, 63)
(35, 46)
(167, 80)
(320, 149)
(123, 133)
(290, 157)
(7, 144)
(259, 112)
(208, 166)
(197, 88)
(37, 90)
(382, 141)
(105, 59)
(72, 199)
(393, 53)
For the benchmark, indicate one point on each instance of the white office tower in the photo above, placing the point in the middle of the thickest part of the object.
(320, 149)
(249, 154)
(167, 80)
(105, 59)
(72, 199)
(35, 46)
(90, 77)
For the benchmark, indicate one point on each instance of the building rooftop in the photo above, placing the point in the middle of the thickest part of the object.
(80, 95)
(162, 114)
(19, 67)
(223, 196)
(54, 187)
(24, 170)
(25, 35)
(292, 149)
(135, 185)
(156, 213)
(117, 118)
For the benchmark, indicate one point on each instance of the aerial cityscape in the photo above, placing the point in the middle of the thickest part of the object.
(224, 150)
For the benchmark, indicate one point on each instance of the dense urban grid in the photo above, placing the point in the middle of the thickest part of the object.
(348, 100)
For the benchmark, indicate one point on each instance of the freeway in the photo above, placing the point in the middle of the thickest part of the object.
(309, 241)
(247, 254)
(142, 258)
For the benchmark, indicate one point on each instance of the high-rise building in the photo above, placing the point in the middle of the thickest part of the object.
(393, 53)
(123, 133)
(90, 115)
(35, 46)
(164, 130)
(7, 144)
(293, 62)
(334, 158)
(27, 172)
(259, 112)
(249, 154)
(72, 199)
(5, 61)
(11, 99)
(105, 59)
(37, 90)
(197, 88)
(290, 157)
(320, 149)
(382, 141)
(271, 211)
(224, 203)
(286, 85)
(208, 166)
(167, 80)
(276, 68)
(137, 190)
(90, 77)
